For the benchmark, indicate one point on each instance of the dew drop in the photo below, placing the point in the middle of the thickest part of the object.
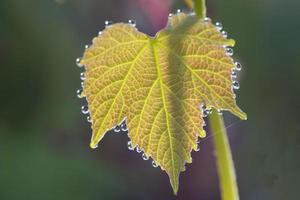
(229, 51)
(89, 119)
(145, 157)
(225, 34)
(100, 32)
(198, 147)
(86, 46)
(108, 23)
(129, 146)
(209, 110)
(82, 84)
(233, 74)
(124, 127)
(117, 129)
(178, 11)
(79, 93)
(203, 108)
(219, 26)
(238, 66)
(154, 164)
(82, 77)
(170, 14)
(220, 112)
(206, 111)
(207, 19)
(235, 85)
(138, 149)
(132, 22)
(84, 110)
(95, 146)
(78, 60)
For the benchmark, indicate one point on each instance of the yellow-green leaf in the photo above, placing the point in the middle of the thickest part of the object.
(157, 85)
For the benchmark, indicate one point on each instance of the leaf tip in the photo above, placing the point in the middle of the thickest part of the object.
(231, 42)
(174, 184)
(93, 145)
(244, 116)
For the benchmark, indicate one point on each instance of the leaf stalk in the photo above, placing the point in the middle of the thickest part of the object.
(198, 6)
(225, 166)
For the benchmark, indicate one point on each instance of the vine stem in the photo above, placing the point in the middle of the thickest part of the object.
(225, 166)
(226, 171)
(198, 6)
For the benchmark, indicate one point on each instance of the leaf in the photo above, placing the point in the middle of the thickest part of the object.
(157, 85)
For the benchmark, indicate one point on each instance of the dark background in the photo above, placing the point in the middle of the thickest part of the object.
(44, 138)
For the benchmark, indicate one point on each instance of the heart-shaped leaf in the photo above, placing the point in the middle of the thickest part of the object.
(159, 85)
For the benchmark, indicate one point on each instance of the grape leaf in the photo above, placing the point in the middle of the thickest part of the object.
(158, 85)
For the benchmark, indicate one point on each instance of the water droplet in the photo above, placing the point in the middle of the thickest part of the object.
(233, 74)
(78, 60)
(86, 46)
(94, 146)
(108, 23)
(79, 93)
(145, 157)
(238, 66)
(84, 110)
(235, 85)
(82, 77)
(198, 147)
(117, 129)
(100, 32)
(170, 14)
(138, 149)
(219, 26)
(89, 119)
(124, 127)
(207, 19)
(225, 34)
(178, 11)
(229, 51)
(129, 146)
(220, 112)
(204, 114)
(154, 164)
(82, 84)
(132, 22)
(207, 111)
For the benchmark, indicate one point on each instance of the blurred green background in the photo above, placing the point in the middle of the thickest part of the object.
(44, 138)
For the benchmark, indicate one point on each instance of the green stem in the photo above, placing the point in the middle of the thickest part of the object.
(226, 171)
(200, 8)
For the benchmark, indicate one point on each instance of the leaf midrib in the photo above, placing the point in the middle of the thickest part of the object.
(153, 44)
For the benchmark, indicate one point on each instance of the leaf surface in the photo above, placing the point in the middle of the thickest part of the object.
(157, 85)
